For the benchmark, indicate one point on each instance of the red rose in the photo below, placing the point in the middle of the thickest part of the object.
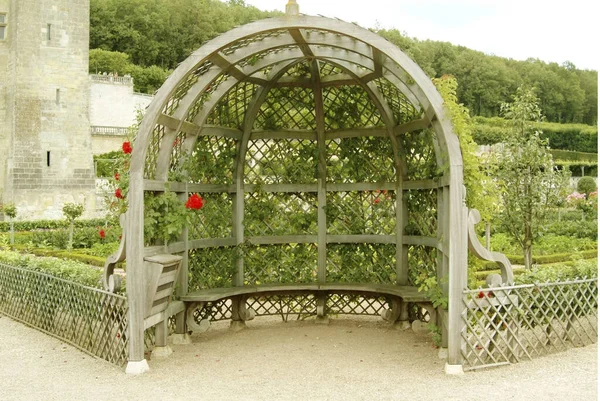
(194, 202)
(127, 147)
(117, 176)
(376, 201)
(118, 193)
(481, 295)
(490, 294)
(102, 234)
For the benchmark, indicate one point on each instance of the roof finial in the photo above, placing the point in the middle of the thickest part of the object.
(292, 8)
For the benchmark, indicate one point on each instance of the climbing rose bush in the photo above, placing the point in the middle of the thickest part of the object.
(127, 149)
(194, 202)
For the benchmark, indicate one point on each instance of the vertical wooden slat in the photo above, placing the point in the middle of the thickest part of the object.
(322, 174)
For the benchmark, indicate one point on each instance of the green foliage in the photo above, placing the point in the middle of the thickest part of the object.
(559, 272)
(165, 216)
(529, 183)
(567, 137)
(50, 224)
(9, 209)
(586, 185)
(163, 32)
(72, 210)
(481, 193)
(107, 163)
(66, 269)
(547, 244)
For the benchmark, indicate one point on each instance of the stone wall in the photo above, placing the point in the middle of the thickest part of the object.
(113, 108)
(50, 148)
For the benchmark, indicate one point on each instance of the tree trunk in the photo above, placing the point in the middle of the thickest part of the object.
(12, 232)
(527, 254)
(70, 245)
(488, 235)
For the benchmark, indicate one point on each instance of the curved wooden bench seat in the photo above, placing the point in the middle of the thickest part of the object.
(401, 297)
(407, 293)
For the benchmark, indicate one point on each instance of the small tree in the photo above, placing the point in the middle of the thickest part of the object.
(10, 210)
(529, 182)
(586, 185)
(72, 211)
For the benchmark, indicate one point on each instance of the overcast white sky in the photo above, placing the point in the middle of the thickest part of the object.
(553, 31)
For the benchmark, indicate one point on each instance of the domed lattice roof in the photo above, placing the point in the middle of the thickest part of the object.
(322, 152)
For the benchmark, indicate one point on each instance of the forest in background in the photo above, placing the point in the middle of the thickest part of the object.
(149, 38)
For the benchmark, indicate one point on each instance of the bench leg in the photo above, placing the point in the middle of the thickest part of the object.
(161, 348)
(181, 335)
(403, 321)
(321, 309)
(238, 313)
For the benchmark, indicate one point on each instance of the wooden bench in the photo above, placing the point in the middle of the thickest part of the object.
(401, 297)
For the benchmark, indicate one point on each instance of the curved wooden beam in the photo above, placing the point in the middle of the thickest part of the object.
(482, 253)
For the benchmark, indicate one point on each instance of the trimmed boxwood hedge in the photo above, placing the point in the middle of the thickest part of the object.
(51, 224)
(545, 259)
(573, 137)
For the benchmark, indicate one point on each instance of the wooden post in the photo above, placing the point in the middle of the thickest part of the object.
(322, 189)
(457, 242)
(135, 275)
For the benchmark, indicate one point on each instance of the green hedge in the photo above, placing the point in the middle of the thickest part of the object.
(66, 269)
(572, 137)
(50, 224)
(574, 158)
(545, 259)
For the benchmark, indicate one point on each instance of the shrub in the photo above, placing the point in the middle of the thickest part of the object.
(66, 269)
(559, 272)
(586, 185)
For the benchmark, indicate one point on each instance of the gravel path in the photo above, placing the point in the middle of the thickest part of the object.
(345, 360)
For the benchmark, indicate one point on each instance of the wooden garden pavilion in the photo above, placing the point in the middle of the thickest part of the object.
(327, 165)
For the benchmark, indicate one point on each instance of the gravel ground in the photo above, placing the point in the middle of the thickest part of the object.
(345, 360)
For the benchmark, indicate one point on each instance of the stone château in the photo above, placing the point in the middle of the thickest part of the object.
(46, 135)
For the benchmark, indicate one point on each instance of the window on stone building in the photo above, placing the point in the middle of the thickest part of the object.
(3, 21)
(49, 32)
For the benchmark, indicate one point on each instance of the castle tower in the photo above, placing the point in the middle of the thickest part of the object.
(46, 157)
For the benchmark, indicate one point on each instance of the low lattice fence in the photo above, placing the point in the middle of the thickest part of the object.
(92, 320)
(509, 324)
(304, 305)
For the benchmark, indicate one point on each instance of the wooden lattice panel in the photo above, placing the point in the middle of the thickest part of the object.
(507, 325)
(231, 109)
(281, 161)
(255, 58)
(242, 43)
(422, 212)
(90, 319)
(287, 108)
(402, 109)
(214, 311)
(419, 153)
(211, 161)
(349, 107)
(364, 159)
(215, 220)
(361, 263)
(296, 306)
(296, 263)
(361, 212)
(184, 87)
(177, 155)
(326, 69)
(301, 69)
(356, 304)
(280, 214)
(422, 262)
(199, 102)
(211, 268)
(153, 149)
